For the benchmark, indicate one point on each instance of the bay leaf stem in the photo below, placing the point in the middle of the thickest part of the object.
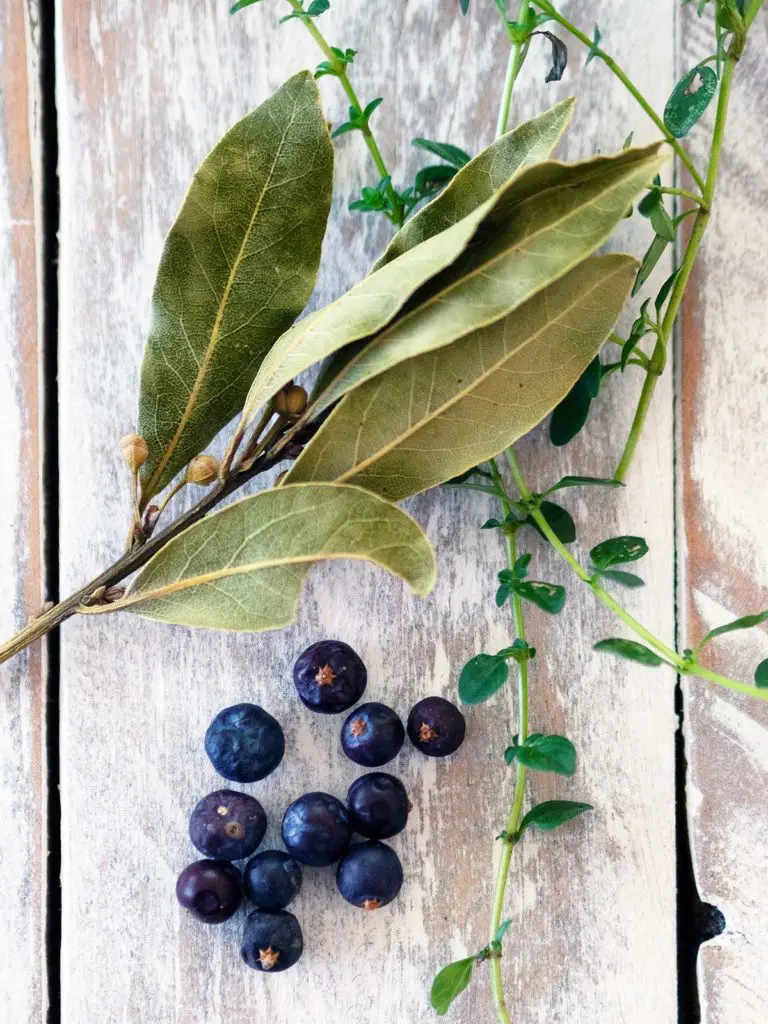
(140, 555)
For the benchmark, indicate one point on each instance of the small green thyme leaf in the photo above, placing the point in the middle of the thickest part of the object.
(449, 983)
(618, 550)
(481, 677)
(690, 98)
(583, 481)
(548, 754)
(595, 47)
(761, 675)
(501, 931)
(552, 814)
(745, 622)
(451, 154)
(651, 258)
(550, 597)
(626, 579)
(560, 522)
(629, 649)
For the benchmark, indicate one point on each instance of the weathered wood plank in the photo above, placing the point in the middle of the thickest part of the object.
(144, 91)
(23, 996)
(723, 469)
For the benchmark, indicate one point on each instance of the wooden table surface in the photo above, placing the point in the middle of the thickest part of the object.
(142, 91)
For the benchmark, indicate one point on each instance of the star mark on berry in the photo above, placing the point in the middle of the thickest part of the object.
(325, 676)
(268, 958)
(358, 727)
(427, 733)
(371, 904)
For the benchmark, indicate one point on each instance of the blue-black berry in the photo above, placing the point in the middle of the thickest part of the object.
(330, 677)
(272, 879)
(372, 735)
(210, 890)
(227, 825)
(370, 875)
(378, 805)
(244, 743)
(316, 829)
(272, 942)
(436, 727)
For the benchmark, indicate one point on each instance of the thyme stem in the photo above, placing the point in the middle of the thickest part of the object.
(628, 84)
(659, 355)
(398, 213)
(685, 666)
(515, 814)
(517, 55)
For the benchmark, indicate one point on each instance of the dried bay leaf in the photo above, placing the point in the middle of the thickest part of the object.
(545, 223)
(432, 417)
(429, 243)
(238, 266)
(479, 179)
(242, 568)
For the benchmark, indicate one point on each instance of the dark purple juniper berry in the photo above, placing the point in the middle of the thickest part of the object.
(436, 727)
(245, 743)
(378, 805)
(211, 890)
(372, 735)
(316, 829)
(227, 825)
(272, 879)
(330, 677)
(370, 875)
(272, 942)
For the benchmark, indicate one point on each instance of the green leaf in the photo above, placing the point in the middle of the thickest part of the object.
(481, 178)
(651, 258)
(544, 754)
(618, 550)
(481, 677)
(761, 675)
(451, 981)
(546, 222)
(502, 930)
(583, 481)
(551, 814)
(451, 154)
(241, 4)
(649, 202)
(464, 4)
(629, 649)
(238, 266)
(432, 177)
(664, 291)
(662, 223)
(595, 47)
(626, 579)
(434, 416)
(550, 597)
(371, 107)
(690, 98)
(745, 622)
(571, 413)
(242, 568)
(318, 7)
(360, 313)
(560, 521)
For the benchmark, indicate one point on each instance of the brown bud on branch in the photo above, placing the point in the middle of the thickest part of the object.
(290, 401)
(135, 451)
(202, 470)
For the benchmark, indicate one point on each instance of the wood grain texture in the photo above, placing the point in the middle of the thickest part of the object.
(723, 471)
(23, 996)
(144, 92)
